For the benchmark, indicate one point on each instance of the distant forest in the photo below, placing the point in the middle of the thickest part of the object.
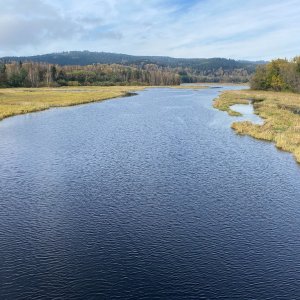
(100, 68)
(32, 74)
(278, 75)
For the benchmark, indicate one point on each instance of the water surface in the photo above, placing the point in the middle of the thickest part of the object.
(247, 111)
(147, 197)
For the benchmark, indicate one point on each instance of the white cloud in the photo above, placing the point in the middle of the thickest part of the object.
(182, 28)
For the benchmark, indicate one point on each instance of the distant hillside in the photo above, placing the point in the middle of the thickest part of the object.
(189, 69)
(83, 58)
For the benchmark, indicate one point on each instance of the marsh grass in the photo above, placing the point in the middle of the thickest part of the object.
(17, 101)
(280, 112)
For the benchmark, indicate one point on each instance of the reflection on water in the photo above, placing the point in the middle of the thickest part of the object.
(146, 197)
(247, 111)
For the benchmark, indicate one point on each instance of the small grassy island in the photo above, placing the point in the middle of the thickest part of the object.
(276, 99)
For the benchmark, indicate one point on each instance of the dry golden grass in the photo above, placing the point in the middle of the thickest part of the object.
(280, 111)
(17, 101)
(226, 100)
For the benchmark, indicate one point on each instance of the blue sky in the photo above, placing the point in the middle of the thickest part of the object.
(253, 29)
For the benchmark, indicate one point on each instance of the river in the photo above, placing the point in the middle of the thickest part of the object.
(146, 197)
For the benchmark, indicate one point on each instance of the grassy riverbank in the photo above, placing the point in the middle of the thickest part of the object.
(16, 101)
(280, 111)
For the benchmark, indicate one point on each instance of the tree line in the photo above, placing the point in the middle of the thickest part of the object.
(278, 75)
(35, 74)
(219, 74)
(190, 70)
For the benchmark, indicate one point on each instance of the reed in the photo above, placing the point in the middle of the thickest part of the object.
(15, 101)
(280, 111)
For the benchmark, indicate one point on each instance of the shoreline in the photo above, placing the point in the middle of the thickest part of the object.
(19, 101)
(278, 110)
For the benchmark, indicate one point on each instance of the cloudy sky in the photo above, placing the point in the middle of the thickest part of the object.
(253, 29)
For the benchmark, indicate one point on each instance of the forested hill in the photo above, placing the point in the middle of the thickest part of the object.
(189, 70)
(83, 58)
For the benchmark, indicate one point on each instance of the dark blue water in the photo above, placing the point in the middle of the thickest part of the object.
(147, 197)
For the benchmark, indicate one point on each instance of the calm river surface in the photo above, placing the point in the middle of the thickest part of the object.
(146, 197)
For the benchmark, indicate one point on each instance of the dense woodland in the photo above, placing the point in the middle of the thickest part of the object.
(99, 68)
(32, 74)
(278, 75)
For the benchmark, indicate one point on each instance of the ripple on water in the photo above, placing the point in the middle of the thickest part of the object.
(148, 197)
